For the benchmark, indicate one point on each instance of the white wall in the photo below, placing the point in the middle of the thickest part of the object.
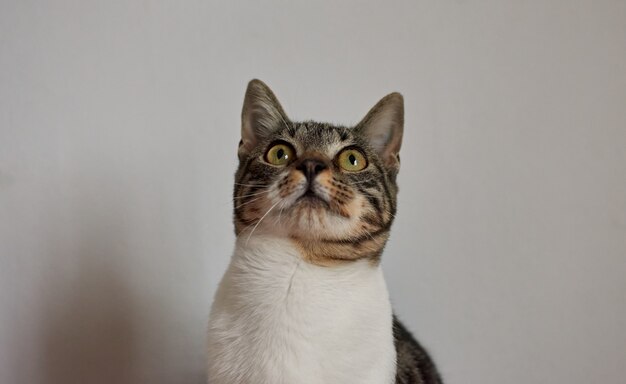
(118, 130)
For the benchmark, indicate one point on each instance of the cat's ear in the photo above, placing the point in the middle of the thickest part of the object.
(383, 126)
(260, 116)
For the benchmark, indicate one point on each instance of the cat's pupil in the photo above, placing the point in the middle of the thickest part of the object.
(280, 153)
(352, 159)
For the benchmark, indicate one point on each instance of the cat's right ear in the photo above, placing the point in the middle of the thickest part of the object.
(383, 126)
(261, 115)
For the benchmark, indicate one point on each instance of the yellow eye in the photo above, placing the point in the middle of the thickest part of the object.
(279, 154)
(352, 160)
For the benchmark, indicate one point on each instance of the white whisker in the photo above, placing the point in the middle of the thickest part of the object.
(263, 217)
(248, 202)
(252, 185)
(251, 194)
(368, 233)
(280, 214)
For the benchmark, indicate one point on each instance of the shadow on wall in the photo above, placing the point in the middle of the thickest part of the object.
(98, 326)
(88, 332)
(89, 335)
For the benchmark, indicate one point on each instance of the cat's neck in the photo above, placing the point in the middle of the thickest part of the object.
(275, 258)
(321, 252)
(339, 317)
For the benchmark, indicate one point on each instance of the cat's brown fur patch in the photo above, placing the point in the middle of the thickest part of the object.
(330, 253)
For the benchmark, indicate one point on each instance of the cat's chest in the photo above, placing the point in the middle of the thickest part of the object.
(278, 319)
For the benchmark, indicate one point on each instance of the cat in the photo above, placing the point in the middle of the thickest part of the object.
(304, 300)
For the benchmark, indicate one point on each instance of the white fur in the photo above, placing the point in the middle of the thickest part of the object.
(277, 319)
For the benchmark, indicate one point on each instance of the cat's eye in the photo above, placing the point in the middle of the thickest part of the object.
(280, 154)
(352, 160)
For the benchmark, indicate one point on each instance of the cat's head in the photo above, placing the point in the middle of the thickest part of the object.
(332, 189)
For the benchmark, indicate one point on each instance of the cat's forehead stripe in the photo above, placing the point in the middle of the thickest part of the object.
(321, 136)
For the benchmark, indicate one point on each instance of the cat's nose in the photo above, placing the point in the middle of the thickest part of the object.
(311, 168)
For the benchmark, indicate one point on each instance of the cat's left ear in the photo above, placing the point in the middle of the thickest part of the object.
(383, 126)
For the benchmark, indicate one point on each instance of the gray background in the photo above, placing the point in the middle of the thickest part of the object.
(119, 123)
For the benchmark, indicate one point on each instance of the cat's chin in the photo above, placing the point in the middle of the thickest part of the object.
(312, 218)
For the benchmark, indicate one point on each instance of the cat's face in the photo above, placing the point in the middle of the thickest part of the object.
(326, 187)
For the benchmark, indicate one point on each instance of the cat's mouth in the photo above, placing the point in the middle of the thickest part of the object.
(316, 199)
(309, 195)
(312, 199)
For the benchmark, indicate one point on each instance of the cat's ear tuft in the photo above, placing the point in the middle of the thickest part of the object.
(261, 115)
(383, 126)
